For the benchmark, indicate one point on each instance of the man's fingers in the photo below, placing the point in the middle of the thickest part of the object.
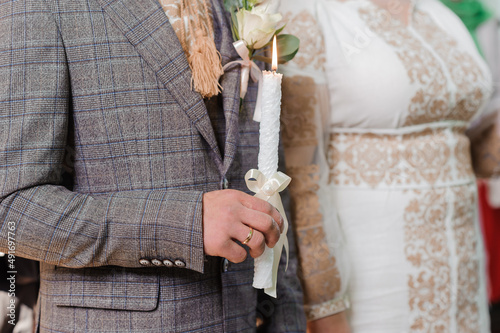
(263, 223)
(264, 207)
(234, 252)
(228, 216)
(256, 243)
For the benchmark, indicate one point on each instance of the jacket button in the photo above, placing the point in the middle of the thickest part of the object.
(180, 263)
(156, 262)
(225, 265)
(225, 183)
(168, 263)
(144, 262)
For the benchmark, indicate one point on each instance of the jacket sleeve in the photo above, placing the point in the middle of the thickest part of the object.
(48, 222)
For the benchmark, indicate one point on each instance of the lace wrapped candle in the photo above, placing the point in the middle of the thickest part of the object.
(266, 265)
(268, 160)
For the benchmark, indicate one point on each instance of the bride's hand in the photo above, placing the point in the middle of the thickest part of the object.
(336, 323)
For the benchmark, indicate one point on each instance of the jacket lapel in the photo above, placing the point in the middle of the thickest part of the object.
(230, 82)
(147, 27)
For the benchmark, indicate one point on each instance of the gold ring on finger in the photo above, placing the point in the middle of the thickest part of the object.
(249, 237)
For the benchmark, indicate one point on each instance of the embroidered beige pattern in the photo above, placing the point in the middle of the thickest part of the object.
(324, 309)
(312, 47)
(468, 262)
(421, 158)
(368, 157)
(427, 251)
(333, 156)
(463, 155)
(463, 69)
(297, 118)
(319, 273)
(430, 103)
(428, 154)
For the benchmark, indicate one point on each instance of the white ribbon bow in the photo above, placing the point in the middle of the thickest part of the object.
(248, 69)
(268, 190)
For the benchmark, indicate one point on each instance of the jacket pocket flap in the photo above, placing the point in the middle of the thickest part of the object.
(115, 288)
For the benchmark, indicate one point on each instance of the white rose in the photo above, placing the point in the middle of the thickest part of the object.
(257, 27)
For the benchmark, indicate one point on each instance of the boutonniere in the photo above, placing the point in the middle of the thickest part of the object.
(254, 23)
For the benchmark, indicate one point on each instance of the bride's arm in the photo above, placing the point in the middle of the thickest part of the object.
(485, 132)
(323, 269)
(336, 323)
(323, 263)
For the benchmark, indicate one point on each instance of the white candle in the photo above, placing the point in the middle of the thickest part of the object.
(270, 123)
(268, 155)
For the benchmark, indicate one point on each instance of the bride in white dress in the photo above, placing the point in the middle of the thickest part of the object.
(375, 107)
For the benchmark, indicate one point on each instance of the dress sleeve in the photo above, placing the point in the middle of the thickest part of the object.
(323, 268)
(489, 40)
(485, 131)
(317, 230)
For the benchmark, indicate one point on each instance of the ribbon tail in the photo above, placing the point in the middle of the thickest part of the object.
(275, 200)
(232, 64)
(267, 265)
(287, 250)
(245, 75)
(263, 270)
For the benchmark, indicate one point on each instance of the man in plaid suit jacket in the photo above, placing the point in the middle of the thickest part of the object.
(135, 243)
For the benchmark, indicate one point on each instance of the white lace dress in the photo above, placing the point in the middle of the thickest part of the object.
(374, 115)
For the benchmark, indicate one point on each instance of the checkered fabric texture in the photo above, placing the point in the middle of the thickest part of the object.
(98, 92)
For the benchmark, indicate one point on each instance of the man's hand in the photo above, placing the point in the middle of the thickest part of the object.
(228, 216)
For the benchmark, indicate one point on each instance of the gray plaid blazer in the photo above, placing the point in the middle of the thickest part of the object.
(101, 89)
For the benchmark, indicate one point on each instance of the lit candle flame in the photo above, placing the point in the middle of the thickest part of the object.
(275, 55)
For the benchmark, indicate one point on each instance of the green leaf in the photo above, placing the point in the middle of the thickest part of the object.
(262, 58)
(234, 26)
(286, 58)
(232, 5)
(288, 46)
